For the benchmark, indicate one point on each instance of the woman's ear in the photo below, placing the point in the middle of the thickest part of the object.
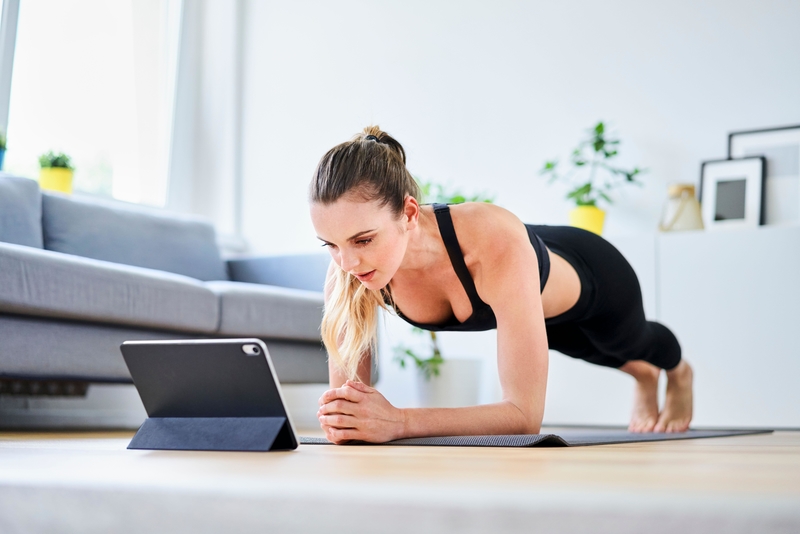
(411, 212)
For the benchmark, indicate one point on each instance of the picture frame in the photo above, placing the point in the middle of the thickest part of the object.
(732, 192)
(780, 146)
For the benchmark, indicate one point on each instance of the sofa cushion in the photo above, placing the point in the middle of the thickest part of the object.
(46, 283)
(268, 311)
(20, 211)
(132, 235)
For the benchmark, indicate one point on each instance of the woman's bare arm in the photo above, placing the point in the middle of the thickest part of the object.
(336, 379)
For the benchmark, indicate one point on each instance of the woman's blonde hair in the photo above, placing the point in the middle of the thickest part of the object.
(372, 165)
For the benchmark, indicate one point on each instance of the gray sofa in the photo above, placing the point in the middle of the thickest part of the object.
(78, 276)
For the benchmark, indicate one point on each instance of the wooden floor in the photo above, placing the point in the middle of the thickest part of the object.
(89, 482)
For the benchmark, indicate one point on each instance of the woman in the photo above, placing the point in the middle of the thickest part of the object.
(472, 266)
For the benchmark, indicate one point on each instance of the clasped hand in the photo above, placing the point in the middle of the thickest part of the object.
(356, 411)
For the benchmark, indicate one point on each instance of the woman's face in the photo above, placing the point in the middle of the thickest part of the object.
(364, 238)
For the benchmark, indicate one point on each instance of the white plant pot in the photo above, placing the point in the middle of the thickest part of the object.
(456, 385)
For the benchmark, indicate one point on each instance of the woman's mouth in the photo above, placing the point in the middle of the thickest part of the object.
(366, 277)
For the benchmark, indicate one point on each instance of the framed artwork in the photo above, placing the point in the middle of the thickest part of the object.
(732, 192)
(781, 149)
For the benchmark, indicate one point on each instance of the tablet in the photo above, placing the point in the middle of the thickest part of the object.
(208, 394)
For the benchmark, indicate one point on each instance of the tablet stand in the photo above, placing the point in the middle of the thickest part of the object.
(214, 434)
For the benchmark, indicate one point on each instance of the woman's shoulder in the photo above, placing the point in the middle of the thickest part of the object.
(483, 217)
(493, 240)
(483, 226)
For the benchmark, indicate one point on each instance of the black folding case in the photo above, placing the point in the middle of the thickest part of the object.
(207, 395)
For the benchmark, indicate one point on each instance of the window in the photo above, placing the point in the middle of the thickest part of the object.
(95, 79)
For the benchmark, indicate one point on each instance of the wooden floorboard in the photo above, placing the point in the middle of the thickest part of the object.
(730, 483)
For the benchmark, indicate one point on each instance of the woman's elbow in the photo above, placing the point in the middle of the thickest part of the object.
(532, 425)
(529, 419)
(534, 428)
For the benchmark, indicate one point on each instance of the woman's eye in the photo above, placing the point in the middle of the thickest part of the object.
(364, 241)
(328, 245)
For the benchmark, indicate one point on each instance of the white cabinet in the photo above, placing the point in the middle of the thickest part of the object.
(733, 300)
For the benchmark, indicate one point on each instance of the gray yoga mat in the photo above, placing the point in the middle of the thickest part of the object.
(564, 438)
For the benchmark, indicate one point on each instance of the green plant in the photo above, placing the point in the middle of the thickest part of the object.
(2, 141)
(428, 366)
(591, 175)
(444, 194)
(51, 159)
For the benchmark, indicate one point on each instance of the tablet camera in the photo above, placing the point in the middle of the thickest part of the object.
(251, 349)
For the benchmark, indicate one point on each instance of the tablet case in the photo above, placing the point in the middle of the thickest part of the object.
(207, 395)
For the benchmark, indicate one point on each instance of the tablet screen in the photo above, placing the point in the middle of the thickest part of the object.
(204, 378)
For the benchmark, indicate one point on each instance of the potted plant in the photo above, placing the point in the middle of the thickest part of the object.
(56, 172)
(2, 149)
(442, 383)
(592, 177)
(428, 366)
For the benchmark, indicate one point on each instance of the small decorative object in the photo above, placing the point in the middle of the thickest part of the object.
(592, 177)
(56, 172)
(682, 210)
(781, 149)
(2, 149)
(731, 192)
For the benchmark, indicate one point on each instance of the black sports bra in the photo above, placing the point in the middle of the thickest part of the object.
(482, 317)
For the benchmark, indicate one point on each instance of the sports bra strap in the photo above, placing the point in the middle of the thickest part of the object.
(445, 222)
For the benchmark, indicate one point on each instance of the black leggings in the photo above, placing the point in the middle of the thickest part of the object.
(607, 326)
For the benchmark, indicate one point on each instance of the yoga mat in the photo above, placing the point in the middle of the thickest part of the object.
(564, 438)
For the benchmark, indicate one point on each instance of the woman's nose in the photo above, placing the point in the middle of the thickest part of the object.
(349, 261)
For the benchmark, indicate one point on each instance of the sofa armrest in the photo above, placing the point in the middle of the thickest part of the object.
(297, 271)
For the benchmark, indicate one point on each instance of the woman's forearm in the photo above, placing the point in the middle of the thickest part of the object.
(498, 418)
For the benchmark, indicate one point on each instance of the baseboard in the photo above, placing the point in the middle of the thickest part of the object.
(118, 406)
(105, 406)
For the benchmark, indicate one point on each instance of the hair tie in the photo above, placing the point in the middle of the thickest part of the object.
(372, 137)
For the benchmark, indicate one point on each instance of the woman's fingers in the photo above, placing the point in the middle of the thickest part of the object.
(338, 406)
(345, 392)
(356, 411)
(360, 386)
(338, 421)
(341, 435)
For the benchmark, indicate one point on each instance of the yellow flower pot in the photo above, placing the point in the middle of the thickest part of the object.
(589, 218)
(56, 179)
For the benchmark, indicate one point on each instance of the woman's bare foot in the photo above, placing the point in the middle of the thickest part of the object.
(677, 412)
(645, 399)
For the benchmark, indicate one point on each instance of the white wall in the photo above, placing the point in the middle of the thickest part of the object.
(482, 93)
